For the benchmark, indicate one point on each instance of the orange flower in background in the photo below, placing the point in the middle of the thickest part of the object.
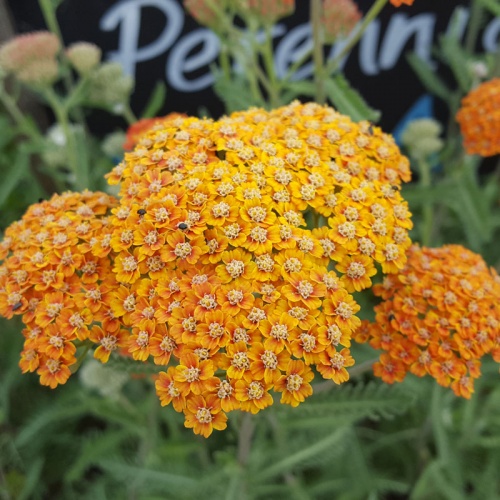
(50, 277)
(339, 18)
(479, 119)
(439, 316)
(137, 130)
(398, 3)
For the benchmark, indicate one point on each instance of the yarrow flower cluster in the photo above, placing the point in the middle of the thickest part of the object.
(339, 18)
(55, 274)
(219, 272)
(479, 119)
(208, 12)
(439, 316)
(32, 57)
(218, 259)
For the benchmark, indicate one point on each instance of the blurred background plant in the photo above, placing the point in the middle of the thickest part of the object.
(103, 434)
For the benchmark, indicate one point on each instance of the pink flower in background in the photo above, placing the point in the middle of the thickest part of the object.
(340, 17)
(202, 11)
(43, 72)
(270, 9)
(23, 50)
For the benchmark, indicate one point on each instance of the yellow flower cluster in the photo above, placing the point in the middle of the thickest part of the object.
(439, 316)
(55, 273)
(219, 267)
(218, 260)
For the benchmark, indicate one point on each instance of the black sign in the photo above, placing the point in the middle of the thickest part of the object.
(157, 40)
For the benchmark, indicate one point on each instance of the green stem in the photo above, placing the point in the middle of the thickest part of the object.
(374, 11)
(50, 17)
(245, 436)
(426, 182)
(297, 64)
(474, 26)
(318, 57)
(225, 61)
(496, 65)
(81, 358)
(268, 57)
(437, 423)
(78, 168)
(128, 114)
(27, 126)
(238, 485)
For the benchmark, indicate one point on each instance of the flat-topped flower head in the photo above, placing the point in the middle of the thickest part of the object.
(55, 273)
(439, 316)
(479, 119)
(23, 50)
(215, 221)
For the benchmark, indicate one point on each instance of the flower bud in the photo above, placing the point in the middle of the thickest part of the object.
(421, 137)
(84, 56)
(109, 86)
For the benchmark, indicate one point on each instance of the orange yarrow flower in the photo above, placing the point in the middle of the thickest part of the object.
(479, 119)
(439, 316)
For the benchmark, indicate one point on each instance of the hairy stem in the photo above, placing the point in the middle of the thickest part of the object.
(374, 11)
(318, 57)
(426, 181)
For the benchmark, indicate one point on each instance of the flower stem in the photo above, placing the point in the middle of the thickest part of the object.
(474, 27)
(79, 168)
(426, 181)
(318, 56)
(374, 11)
(245, 436)
(128, 114)
(50, 17)
(28, 127)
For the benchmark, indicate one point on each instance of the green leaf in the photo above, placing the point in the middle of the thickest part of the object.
(372, 400)
(470, 206)
(32, 480)
(156, 100)
(492, 5)
(454, 55)
(94, 448)
(299, 458)
(154, 479)
(348, 100)
(428, 77)
(50, 416)
(298, 88)
(234, 93)
(14, 172)
(7, 131)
